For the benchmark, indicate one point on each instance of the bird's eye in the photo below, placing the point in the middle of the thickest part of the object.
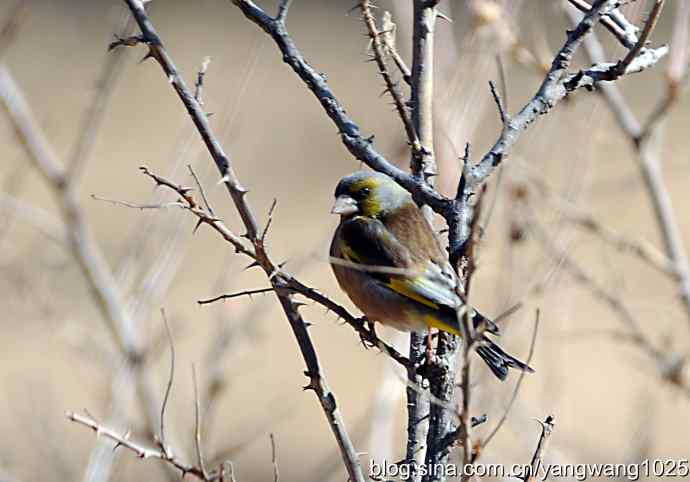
(365, 191)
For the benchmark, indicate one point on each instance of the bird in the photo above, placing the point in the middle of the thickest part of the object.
(387, 259)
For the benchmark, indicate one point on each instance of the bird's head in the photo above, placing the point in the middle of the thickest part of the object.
(370, 194)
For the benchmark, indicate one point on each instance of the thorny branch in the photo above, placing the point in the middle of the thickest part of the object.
(317, 382)
(142, 451)
(379, 55)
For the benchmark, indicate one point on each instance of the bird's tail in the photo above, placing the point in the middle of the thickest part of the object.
(499, 361)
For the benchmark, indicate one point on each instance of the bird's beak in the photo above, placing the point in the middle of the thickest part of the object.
(345, 206)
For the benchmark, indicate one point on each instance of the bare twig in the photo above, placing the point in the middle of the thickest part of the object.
(236, 295)
(388, 34)
(142, 206)
(197, 426)
(141, 451)
(171, 377)
(537, 462)
(274, 459)
(391, 86)
(615, 22)
(642, 40)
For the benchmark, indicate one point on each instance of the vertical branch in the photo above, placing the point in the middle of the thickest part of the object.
(423, 166)
(418, 407)
(424, 22)
(537, 462)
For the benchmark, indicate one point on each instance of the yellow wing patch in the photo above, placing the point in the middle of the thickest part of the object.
(402, 286)
(434, 322)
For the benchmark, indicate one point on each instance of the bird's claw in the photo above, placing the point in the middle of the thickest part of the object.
(368, 337)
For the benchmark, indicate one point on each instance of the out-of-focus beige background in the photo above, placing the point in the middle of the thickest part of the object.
(55, 353)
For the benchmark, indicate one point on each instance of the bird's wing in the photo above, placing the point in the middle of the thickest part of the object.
(368, 242)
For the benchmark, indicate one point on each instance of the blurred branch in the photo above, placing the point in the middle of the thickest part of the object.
(83, 246)
(42, 220)
(10, 27)
(238, 194)
(92, 120)
(648, 156)
(669, 365)
(571, 213)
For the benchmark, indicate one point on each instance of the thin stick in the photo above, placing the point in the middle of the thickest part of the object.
(141, 451)
(391, 86)
(197, 425)
(516, 390)
(274, 459)
(171, 377)
(537, 462)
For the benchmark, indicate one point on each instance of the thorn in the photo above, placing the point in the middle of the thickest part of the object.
(198, 224)
(149, 55)
(253, 264)
(443, 16)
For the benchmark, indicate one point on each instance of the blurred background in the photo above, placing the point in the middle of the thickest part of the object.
(572, 231)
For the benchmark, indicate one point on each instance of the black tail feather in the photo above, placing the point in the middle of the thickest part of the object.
(490, 326)
(499, 361)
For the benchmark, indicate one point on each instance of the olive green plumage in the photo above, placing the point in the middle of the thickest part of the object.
(386, 257)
